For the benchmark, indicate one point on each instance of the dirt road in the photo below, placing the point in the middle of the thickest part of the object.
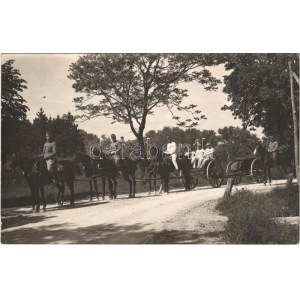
(178, 217)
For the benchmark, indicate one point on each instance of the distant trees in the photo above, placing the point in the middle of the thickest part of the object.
(235, 142)
(230, 142)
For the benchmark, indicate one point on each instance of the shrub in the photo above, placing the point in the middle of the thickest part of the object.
(249, 217)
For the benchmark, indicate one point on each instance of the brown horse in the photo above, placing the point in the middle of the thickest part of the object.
(34, 172)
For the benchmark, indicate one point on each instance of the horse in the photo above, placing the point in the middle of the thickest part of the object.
(125, 171)
(66, 171)
(92, 170)
(34, 170)
(160, 163)
(284, 160)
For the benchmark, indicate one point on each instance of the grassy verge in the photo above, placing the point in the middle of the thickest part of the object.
(250, 217)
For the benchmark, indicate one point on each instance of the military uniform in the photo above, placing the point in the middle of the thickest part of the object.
(49, 154)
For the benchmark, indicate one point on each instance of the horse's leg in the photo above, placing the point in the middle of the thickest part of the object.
(37, 196)
(58, 193)
(43, 195)
(91, 190)
(115, 183)
(110, 187)
(154, 176)
(71, 187)
(149, 192)
(32, 196)
(133, 184)
(103, 189)
(96, 188)
(62, 192)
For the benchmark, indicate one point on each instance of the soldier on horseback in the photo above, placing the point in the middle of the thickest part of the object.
(272, 149)
(172, 151)
(50, 155)
(116, 152)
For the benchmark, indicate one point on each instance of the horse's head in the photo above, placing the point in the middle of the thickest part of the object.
(11, 163)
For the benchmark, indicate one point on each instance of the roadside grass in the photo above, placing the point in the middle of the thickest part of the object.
(250, 216)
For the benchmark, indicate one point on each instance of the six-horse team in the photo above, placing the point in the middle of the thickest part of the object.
(120, 161)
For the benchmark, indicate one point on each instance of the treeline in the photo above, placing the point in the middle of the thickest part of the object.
(229, 142)
(23, 136)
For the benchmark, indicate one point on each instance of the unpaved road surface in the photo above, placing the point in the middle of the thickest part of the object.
(178, 217)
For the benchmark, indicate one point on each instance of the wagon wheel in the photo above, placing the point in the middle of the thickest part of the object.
(193, 182)
(214, 173)
(256, 170)
(236, 179)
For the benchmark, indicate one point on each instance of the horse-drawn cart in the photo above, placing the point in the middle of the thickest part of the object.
(213, 172)
(245, 167)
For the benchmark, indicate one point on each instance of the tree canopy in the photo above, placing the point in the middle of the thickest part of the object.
(258, 90)
(12, 103)
(127, 87)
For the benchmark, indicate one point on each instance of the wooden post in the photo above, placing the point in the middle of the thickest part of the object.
(228, 189)
(295, 121)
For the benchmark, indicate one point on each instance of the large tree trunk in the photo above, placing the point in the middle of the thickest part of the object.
(295, 121)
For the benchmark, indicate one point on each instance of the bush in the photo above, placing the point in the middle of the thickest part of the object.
(249, 217)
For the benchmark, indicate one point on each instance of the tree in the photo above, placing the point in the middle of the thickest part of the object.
(127, 87)
(260, 88)
(235, 143)
(13, 108)
(66, 135)
(259, 91)
(12, 103)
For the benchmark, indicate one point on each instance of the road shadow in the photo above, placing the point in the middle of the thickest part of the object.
(20, 220)
(108, 233)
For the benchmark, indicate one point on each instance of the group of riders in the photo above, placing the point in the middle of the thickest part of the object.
(199, 157)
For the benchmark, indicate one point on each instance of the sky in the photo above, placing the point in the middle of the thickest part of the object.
(49, 88)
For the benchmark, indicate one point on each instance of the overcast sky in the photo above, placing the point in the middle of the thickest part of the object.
(46, 76)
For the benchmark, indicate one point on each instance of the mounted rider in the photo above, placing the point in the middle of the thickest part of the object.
(208, 154)
(200, 152)
(116, 151)
(272, 148)
(172, 151)
(50, 155)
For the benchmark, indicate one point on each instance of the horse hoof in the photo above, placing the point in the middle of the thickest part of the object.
(44, 209)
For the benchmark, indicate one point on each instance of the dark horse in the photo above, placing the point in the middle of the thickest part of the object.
(160, 163)
(284, 160)
(65, 174)
(126, 171)
(34, 170)
(93, 170)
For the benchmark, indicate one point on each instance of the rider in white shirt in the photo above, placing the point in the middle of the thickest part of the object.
(199, 156)
(208, 154)
(172, 150)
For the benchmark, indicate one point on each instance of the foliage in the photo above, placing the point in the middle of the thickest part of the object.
(250, 216)
(13, 108)
(236, 143)
(127, 87)
(12, 103)
(258, 88)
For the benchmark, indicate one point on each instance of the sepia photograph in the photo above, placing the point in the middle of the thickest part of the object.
(150, 148)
